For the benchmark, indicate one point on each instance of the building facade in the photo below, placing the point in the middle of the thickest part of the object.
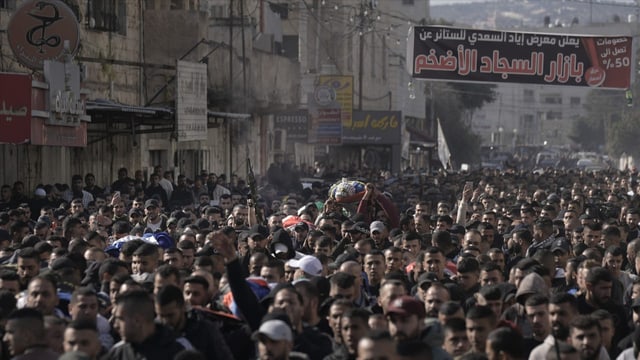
(536, 115)
(263, 58)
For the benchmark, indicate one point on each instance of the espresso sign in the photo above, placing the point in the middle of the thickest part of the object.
(38, 31)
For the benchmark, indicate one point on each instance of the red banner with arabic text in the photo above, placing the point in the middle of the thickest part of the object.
(453, 54)
(15, 108)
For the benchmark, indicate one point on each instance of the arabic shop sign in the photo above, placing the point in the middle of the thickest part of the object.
(15, 108)
(325, 125)
(442, 53)
(342, 86)
(66, 107)
(40, 29)
(325, 117)
(373, 127)
(191, 101)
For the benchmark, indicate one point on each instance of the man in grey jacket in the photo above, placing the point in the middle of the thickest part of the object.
(407, 322)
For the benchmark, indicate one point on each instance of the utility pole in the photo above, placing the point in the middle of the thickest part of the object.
(366, 18)
(360, 68)
(231, 102)
(432, 111)
(244, 58)
(230, 55)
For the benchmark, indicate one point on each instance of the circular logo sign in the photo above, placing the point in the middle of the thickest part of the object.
(595, 76)
(38, 31)
(324, 95)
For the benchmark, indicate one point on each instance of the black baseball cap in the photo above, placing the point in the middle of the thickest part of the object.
(561, 245)
(151, 203)
(360, 227)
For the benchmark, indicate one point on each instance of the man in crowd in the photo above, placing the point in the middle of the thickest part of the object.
(434, 284)
(202, 334)
(82, 336)
(141, 335)
(24, 333)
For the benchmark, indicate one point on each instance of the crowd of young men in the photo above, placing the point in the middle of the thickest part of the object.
(455, 266)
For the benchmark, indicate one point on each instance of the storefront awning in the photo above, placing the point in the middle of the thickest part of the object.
(109, 118)
(420, 138)
(226, 115)
(155, 118)
(102, 110)
(216, 118)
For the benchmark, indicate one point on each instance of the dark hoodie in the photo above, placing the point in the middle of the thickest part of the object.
(531, 284)
(206, 336)
(159, 346)
(281, 236)
(341, 353)
(433, 336)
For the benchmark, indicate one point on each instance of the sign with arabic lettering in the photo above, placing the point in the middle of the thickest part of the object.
(15, 108)
(325, 118)
(342, 86)
(191, 101)
(67, 107)
(373, 127)
(40, 30)
(452, 54)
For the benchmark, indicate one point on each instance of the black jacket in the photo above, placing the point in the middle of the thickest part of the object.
(237, 333)
(243, 296)
(340, 354)
(312, 342)
(617, 311)
(162, 345)
(181, 196)
(206, 337)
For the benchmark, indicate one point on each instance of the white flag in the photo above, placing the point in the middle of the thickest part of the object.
(443, 149)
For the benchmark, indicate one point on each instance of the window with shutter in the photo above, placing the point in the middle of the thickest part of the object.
(107, 15)
(8, 4)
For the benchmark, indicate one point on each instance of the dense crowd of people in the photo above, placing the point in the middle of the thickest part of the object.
(473, 265)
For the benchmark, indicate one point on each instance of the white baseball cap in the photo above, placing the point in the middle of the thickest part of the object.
(276, 330)
(377, 226)
(280, 248)
(309, 264)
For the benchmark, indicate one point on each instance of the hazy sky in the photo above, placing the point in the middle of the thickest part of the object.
(445, 2)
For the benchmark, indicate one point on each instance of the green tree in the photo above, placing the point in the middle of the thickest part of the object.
(453, 103)
(611, 122)
(587, 133)
(623, 133)
(474, 95)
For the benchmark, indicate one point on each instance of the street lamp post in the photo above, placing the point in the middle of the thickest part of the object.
(360, 64)
(366, 15)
